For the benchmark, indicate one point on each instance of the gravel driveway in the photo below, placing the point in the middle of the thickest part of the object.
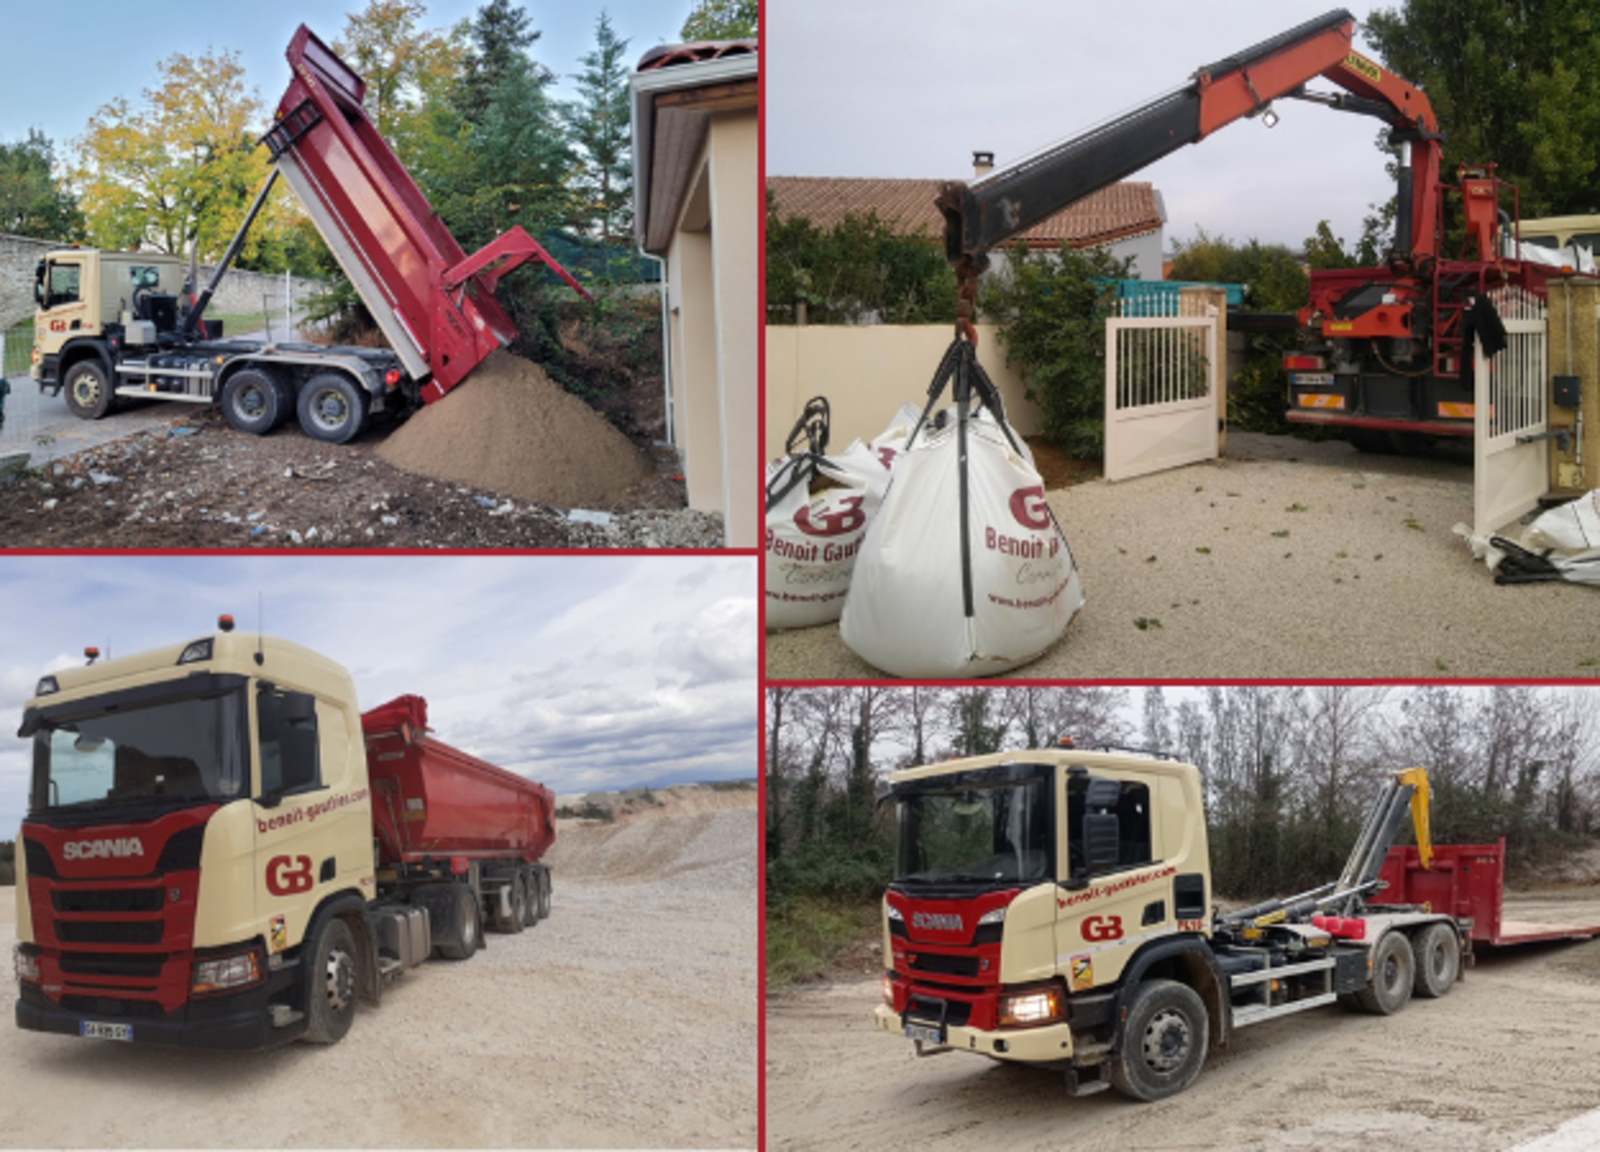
(1286, 560)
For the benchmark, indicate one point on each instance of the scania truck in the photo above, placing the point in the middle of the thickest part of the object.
(1054, 907)
(222, 851)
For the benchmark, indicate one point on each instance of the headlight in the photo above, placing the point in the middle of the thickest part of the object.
(1029, 1009)
(226, 973)
(27, 964)
(894, 913)
(993, 916)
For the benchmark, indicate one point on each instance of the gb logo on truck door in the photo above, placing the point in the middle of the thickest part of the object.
(1102, 927)
(287, 875)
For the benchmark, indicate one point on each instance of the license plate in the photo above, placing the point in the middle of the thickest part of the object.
(927, 1033)
(1312, 379)
(95, 1031)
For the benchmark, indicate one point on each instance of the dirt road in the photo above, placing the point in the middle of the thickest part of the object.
(628, 1019)
(1507, 1056)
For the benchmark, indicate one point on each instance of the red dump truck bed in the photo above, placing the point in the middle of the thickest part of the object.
(1467, 881)
(433, 303)
(429, 799)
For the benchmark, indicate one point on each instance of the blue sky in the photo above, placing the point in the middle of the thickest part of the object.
(582, 672)
(911, 88)
(66, 59)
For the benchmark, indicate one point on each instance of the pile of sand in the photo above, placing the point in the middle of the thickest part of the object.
(509, 428)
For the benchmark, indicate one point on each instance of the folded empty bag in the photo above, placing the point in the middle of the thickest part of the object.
(964, 571)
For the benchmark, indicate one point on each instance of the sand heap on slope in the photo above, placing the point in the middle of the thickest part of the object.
(509, 428)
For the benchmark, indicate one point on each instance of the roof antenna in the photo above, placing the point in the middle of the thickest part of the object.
(261, 615)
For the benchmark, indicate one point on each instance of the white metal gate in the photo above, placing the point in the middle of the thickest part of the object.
(1163, 374)
(1510, 471)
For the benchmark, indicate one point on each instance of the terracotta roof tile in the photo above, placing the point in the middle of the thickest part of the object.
(1115, 212)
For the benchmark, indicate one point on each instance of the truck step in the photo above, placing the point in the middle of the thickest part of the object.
(388, 966)
(1255, 1013)
(1263, 974)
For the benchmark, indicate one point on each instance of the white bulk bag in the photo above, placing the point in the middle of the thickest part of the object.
(812, 541)
(936, 595)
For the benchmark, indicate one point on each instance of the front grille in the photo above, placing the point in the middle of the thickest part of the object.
(141, 966)
(107, 899)
(108, 932)
(945, 965)
(110, 1006)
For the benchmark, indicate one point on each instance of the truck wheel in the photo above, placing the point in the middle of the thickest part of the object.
(1438, 954)
(459, 940)
(331, 984)
(1393, 969)
(88, 394)
(252, 402)
(541, 885)
(332, 408)
(1164, 1039)
(530, 908)
(519, 906)
(285, 400)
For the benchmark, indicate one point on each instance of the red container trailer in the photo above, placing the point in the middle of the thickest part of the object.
(1467, 881)
(432, 800)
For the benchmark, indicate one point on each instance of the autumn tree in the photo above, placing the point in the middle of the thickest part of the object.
(32, 201)
(598, 123)
(403, 63)
(182, 162)
(722, 20)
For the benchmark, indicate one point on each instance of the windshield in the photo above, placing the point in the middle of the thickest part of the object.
(165, 754)
(990, 834)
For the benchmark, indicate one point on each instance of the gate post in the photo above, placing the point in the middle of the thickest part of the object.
(1574, 306)
(1193, 302)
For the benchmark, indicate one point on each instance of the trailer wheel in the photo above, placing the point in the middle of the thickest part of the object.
(1393, 969)
(285, 400)
(252, 402)
(459, 940)
(1438, 955)
(331, 984)
(88, 394)
(530, 879)
(542, 876)
(332, 408)
(519, 907)
(1163, 1044)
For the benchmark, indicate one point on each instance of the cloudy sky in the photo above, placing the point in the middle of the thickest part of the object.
(68, 59)
(911, 88)
(586, 672)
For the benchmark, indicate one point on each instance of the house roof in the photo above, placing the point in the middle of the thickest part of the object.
(676, 89)
(1128, 208)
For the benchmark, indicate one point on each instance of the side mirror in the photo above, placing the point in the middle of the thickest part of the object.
(298, 708)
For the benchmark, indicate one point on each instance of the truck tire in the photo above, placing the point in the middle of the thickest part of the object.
(542, 875)
(1438, 956)
(88, 393)
(1393, 970)
(332, 408)
(530, 909)
(517, 920)
(252, 402)
(331, 984)
(458, 938)
(1163, 1044)
(286, 400)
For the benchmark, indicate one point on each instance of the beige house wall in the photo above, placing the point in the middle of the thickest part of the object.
(867, 372)
(712, 289)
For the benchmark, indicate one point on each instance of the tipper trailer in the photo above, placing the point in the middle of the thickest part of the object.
(222, 851)
(1054, 907)
(124, 324)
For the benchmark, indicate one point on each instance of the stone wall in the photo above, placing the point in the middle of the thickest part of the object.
(240, 291)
